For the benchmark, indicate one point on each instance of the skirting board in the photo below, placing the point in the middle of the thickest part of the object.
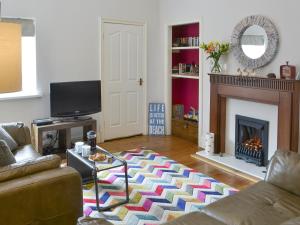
(226, 168)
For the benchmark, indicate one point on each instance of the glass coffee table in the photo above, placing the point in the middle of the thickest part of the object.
(89, 169)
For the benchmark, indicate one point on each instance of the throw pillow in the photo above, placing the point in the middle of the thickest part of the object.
(5, 136)
(6, 157)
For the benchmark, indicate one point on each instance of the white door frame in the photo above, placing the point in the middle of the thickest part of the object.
(102, 21)
(168, 78)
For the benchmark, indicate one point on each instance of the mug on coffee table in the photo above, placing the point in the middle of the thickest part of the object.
(86, 150)
(78, 147)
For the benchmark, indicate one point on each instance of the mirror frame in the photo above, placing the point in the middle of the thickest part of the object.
(273, 41)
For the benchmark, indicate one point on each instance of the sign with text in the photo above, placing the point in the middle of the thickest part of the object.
(157, 122)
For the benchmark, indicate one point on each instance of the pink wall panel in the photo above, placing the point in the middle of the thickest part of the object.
(185, 56)
(185, 91)
(189, 30)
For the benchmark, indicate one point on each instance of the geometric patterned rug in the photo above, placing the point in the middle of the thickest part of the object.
(160, 188)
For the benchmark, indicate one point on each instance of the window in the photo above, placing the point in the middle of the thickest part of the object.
(29, 75)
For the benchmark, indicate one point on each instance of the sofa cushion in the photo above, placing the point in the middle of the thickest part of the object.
(293, 221)
(262, 204)
(25, 153)
(19, 132)
(5, 136)
(25, 168)
(6, 156)
(194, 218)
(284, 171)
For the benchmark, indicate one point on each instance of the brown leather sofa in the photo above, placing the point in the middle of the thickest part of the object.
(274, 201)
(36, 190)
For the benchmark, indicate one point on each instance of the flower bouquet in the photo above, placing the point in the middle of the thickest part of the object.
(215, 50)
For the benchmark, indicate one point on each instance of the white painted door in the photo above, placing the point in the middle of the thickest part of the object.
(123, 87)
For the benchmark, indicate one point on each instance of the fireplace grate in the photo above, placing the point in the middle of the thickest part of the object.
(251, 140)
(249, 155)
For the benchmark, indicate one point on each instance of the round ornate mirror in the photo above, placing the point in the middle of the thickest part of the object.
(254, 41)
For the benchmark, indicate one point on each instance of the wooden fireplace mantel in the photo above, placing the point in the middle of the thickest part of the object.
(283, 93)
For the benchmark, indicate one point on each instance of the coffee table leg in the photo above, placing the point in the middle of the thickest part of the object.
(96, 188)
(126, 182)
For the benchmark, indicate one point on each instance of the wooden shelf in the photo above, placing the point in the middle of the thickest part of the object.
(185, 76)
(185, 48)
(64, 134)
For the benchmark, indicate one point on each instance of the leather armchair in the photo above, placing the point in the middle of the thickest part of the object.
(36, 189)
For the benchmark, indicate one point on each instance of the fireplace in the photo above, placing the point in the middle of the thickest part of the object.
(251, 140)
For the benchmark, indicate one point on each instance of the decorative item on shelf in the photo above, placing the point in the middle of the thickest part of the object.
(209, 142)
(182, 68)
(215, 50)
(189, 68)
(192, 115)
(175, 70)
(186, 69)
(178, 111)
(271, 75)
(176, 43)
(287, 71)
(196, 69)
(186, 42)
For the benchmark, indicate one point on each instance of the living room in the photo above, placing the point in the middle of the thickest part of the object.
(190, 166)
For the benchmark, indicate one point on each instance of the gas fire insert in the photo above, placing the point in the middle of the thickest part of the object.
(251, 140)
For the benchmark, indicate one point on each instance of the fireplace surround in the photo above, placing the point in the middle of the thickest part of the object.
(283, 93)
(251, 140)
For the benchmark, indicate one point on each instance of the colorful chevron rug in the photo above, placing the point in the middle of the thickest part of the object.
(161, 190)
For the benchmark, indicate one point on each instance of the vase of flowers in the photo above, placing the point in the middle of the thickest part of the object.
(215, 50)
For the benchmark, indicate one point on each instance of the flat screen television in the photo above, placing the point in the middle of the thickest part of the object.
(75, 99)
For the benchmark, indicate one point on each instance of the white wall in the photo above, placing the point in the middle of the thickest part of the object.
(218, 20)
(68, 43)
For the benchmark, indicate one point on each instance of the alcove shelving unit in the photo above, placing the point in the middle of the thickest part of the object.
(184, 70)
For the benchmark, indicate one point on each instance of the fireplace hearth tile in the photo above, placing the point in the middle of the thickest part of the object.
(236, 164)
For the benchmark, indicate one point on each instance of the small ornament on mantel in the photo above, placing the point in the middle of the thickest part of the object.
(271, 75)
(246, 72)
(287, 71)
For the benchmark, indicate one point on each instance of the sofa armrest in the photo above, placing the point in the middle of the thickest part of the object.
(24, 168)
(48, 197)
(19, 132)
(284, 171)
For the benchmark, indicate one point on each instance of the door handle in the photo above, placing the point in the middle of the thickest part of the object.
(141, 81)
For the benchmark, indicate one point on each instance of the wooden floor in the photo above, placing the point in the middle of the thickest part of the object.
(179, 150)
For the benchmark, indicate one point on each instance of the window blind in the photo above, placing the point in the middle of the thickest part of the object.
(10, 57)
(28, 25)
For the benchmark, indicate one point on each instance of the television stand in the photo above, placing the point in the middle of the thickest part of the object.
(64, 132)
